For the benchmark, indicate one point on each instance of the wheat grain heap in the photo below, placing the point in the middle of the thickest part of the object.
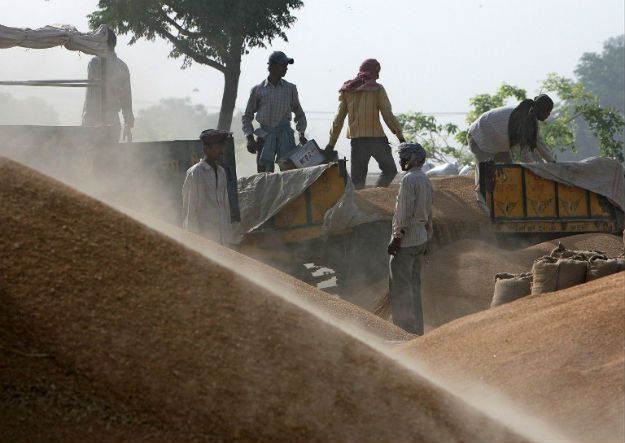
(559, 356)
(111, 331)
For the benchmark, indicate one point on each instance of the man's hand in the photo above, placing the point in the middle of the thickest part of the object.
(302, 139)
(127, 134)
(251, 144)
(329, 149)
(393, 246)
(401, 139)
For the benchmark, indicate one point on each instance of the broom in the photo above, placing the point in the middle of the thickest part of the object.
(382, 307)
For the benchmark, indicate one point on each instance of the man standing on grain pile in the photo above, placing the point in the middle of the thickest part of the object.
(103, 103)
(362, 100)
(272, 102)
(205, 204)
(412, 230)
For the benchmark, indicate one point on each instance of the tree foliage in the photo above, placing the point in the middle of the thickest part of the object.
(215, 33)
(576, 102)
(604, 74)
(436, 138)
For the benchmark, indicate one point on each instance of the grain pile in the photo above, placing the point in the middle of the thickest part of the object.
(460, 278)
(283, 284)
(164, 335)
(456, 213)
(559, 356)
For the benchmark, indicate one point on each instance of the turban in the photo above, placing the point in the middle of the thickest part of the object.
(412, 152)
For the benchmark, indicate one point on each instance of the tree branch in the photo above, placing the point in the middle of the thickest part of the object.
(178, 27)
(185, 49)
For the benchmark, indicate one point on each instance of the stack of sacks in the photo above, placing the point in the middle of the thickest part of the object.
(561, 269)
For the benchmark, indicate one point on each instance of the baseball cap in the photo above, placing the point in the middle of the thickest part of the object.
(280, 58)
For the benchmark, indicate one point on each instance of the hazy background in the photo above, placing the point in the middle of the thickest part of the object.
(434, 56)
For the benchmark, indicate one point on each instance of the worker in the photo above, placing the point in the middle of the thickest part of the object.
(412, 230)
(205, 204)
(115, 91)
(272, 102)
(500, 131)
(362, 100)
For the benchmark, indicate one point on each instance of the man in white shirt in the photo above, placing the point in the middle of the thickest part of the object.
(205, 204)
(412, 229)
(500, 131)
(103, 103)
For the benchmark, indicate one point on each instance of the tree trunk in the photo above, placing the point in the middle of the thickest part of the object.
(231, 86)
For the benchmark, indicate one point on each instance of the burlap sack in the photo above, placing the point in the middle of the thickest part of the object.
(510, 287)
(598, 267)
(561, 252)
(551, 274)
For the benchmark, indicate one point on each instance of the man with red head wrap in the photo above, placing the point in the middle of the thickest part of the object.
(362, 100)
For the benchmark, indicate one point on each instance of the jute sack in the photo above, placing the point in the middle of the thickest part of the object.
(551, 274)
(561, 252)
(510, 287)
(598, 267)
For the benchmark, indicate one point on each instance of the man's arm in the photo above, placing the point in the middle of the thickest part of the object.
(404, 208)
(91, 111)
(387, 114)
(300, 118)
(339, 119)
(190, 203)
(543, 150)
(248, 115)
(126, 99)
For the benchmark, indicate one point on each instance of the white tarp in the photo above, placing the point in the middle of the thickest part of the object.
(602, 176)
(93, 43)
(261, 196)
(442, 170)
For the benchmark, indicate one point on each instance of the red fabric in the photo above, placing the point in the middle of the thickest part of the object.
(368, 73)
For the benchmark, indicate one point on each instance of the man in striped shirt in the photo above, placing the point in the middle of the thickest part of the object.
(362, 100)
(412, 229)
(273, 101)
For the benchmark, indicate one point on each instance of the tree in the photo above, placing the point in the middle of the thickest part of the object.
(436, 138)
(173, 119)
(604, 74)
(215, 33)
(30, 110)
(576, 103)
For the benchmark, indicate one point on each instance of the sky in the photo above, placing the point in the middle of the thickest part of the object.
(435, 55)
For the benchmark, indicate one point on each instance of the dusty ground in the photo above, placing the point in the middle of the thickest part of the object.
(559, 356)
(139, 334)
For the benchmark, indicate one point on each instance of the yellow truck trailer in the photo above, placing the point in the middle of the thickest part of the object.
(520, 201)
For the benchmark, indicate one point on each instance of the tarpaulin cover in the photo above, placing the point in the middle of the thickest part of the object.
(93, 43)
(261, 196)
(603, 176)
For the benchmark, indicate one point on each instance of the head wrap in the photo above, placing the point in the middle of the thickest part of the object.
(412, 153)
(368, 73)
(213, 136)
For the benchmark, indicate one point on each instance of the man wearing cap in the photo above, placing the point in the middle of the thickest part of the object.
(273, 101)
(412, 229)
(362, 100)
(205, 204)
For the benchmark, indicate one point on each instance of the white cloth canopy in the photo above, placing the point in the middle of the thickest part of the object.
(93, 43)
